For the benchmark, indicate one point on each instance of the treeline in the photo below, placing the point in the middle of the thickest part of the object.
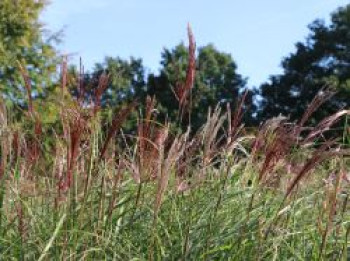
(321, 61)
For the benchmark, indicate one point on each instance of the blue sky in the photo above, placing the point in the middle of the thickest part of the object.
(257, 33)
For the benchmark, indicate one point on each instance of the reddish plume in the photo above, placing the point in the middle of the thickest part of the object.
(117, 122)
(102, 86)
(64, 73)
(182, 89)
(28, 86)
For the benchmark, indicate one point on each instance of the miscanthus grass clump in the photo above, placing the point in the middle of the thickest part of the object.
(81, 191)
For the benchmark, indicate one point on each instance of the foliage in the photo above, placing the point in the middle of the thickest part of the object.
(274, 194)
(126, 80)
(216, 80)
(22, 41)
(74, 185)
(322, 60)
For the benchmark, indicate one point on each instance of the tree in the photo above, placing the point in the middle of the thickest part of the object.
(216, 81)
(22, 42)
(323, 60)
(111, 84)
(126, 80)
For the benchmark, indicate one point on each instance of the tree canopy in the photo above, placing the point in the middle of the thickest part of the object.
(216, 81)
(322, 61)
(126, 80)
(22, 41)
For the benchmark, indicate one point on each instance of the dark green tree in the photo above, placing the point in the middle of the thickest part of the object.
(126, 80)
(122, 81)
(216, 81)
(22, 41)
(323, 60)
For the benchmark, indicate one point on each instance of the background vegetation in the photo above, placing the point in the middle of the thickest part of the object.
(184, 164)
